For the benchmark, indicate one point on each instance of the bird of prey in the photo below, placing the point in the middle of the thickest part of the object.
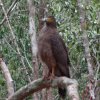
(53, 52)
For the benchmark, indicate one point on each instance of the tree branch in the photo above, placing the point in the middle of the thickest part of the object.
(34, 86)
(9, 10)
(8, 78)
(32, 34)
(15, 41)
(83, 24)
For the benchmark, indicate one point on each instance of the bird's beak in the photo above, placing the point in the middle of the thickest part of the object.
(44, 19)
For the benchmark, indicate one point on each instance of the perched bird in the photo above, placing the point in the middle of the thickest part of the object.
(53, 52)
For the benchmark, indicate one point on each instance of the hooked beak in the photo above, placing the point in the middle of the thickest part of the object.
(44, 19)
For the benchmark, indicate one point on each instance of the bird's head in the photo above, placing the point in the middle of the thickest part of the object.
(50, 21)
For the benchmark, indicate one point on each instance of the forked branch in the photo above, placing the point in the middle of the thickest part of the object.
(39, 84)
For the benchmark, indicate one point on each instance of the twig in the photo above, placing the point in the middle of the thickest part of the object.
(15, 41)
(11, 48)
(9, 10)
(26, 56)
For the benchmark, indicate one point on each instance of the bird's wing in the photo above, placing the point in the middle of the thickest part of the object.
(60, 54)
(66, 49)
(58, 47)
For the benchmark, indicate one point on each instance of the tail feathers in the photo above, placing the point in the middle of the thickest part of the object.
(62, 92)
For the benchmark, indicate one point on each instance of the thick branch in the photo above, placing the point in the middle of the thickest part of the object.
(8, 78)
(39, 84)
(32, 34)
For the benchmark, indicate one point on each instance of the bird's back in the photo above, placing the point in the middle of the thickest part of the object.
(61, 55)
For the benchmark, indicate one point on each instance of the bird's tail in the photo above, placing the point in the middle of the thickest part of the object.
(62, 92)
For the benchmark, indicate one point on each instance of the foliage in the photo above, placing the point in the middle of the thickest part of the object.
(67, 16)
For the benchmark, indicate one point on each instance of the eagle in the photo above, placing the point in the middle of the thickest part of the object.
(53, 52)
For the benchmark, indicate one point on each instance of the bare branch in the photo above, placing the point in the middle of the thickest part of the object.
(70, 84)
(32, 29)
(9, 10)
(8, 78)
(32, 34)
(14, 39)
(83, 25)
(85, 37)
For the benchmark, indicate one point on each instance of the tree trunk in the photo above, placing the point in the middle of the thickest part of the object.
(83, 25)
(32, 34)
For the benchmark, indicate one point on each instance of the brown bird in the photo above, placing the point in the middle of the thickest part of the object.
(53, 52)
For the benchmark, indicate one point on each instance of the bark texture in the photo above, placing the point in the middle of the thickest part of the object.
(83, 24)
(39, 84)
(7, 77)
(32, 34)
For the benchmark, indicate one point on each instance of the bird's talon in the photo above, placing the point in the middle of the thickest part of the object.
(51, 77)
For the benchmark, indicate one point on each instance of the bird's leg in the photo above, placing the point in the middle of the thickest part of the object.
(52, 74)
(46, 72)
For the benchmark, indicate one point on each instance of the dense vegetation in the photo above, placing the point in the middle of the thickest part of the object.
(67, 16)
